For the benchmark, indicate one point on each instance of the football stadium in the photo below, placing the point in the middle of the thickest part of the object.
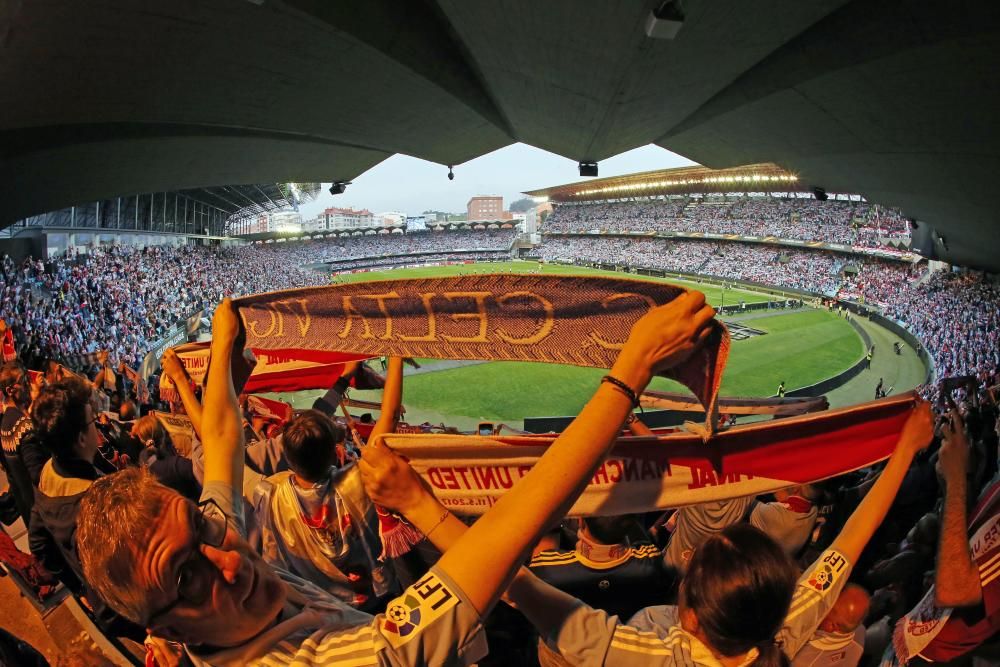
(713, 378)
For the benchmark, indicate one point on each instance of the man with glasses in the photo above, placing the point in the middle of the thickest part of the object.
(65, 421)
(188, 581)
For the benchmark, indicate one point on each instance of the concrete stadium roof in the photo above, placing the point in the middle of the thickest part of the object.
(894, 100)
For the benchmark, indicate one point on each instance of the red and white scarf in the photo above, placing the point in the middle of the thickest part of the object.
(470, 473)
(276, 370)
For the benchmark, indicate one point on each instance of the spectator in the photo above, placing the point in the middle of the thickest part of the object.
(789, 520)
(962, 609)
(159, 456)
(606, 570)
(691, 526)
(316, 521)
(735, 597)
(23, 458)
(65, 421)
(840, 639)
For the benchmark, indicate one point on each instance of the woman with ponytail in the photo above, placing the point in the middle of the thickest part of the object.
(759, 576)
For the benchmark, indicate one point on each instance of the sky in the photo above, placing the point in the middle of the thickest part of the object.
(412, 186)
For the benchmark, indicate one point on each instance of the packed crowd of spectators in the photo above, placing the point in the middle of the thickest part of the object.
(362, 247)
(123, 299)
(850, 223)
(400, 261)
(281, 549)
(765, 264)
(956, 317)
(879, 282)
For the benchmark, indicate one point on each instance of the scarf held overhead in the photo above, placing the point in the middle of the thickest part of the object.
(470, 473)
(275, 370)
(580, 321)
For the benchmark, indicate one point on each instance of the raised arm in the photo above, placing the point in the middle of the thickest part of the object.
(482, 560)
(870, 512)
(174, 369)
(391, 482)
(956, 582)
(222, 422)
(392, 398)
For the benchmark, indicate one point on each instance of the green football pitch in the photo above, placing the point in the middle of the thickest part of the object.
(800, 348)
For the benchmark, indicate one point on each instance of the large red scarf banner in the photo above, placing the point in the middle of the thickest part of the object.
(664, 400)
(469, 473)
(581, 321)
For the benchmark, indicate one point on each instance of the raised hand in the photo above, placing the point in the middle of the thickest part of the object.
(919, 429)
(663, 338)
(173, 367)
(389, 480)
(953, 457)
(225, 321)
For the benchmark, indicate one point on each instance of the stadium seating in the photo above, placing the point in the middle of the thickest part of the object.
(850, 223)
(939, 309)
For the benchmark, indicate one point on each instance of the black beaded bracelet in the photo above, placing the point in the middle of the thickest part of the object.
(622, 387)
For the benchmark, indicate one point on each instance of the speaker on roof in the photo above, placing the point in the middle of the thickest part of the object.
(666, 20)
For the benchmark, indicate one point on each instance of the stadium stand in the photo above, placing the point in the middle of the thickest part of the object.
(847, 223)
(124, 299)
(931, 308)
(115, 299)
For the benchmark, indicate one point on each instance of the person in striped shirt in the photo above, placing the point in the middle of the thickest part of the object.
(606, 569)
(186, 572)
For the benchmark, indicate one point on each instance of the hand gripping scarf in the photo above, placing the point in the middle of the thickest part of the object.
(581, 321)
